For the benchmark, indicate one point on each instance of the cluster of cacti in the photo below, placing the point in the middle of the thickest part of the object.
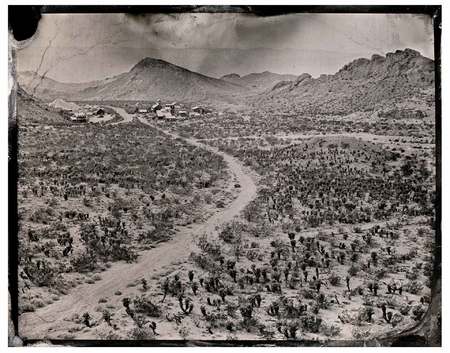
(273, 309)
(177, 318)
(288, 329)
(373, 288)
(142, 305)
(255, 300)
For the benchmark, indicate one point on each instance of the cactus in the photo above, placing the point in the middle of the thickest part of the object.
(256, 300)
(86, 319)
(213, 302)
(387, 316)
(106, 315)
(232, 273)
(288, 330)
(273, 309)
(126, 302)
(165, 288)
(194, 287)
(293, 244)
(222, 294)
(204, 312)
(246, 311)
(152, 325)
(144, 284)
(186, 305)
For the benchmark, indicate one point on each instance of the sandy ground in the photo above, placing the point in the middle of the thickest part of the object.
(103, 119)
(54, 319)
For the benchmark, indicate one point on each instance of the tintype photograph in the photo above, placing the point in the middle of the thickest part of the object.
(224, 175)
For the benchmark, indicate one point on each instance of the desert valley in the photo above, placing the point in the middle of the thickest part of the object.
(164, 204)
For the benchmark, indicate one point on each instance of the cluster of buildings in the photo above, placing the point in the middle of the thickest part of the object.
(82, 115)
(173, 111)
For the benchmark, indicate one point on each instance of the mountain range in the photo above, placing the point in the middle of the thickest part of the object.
(363, 84)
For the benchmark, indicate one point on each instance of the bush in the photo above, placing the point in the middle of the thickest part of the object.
(334, 279)
(138, 333)
(145, 306)
(311, 323)
(330, 330)
(414, 287)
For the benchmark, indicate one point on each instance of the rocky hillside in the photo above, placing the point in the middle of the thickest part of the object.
(258, 82)
(31, 110)
(363, 85)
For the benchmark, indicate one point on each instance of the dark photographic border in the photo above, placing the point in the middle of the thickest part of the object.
(22, 23)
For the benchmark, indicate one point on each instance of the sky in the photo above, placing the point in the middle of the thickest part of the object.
(86, 47)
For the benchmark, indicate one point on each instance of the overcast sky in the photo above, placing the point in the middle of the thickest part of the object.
(85, 47)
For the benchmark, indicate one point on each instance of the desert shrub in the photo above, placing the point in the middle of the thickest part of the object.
(412, 275)
(414, 287)
(311, 323)
(43, 215)
(145, 306)
(330, 330)
(204, 262)
(231, 232)
(380, 273)
(334, 279)
(353, 270)
(404, 309)
(140, 333)
(85, 262)
(308, 293)
(396, 319)
(418, 311)
(41, 273)
(365, 314)
(361, 333)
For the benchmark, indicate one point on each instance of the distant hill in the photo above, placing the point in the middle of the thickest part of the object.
(154, 78)
(362, 85)
(62, 104)
(258, 82)
(147, 80)
(49, 89)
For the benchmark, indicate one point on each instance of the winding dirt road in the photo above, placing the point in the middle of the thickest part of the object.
(48, 322)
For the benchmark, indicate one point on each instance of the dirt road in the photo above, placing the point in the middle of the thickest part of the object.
(127, 118)
(49, 321)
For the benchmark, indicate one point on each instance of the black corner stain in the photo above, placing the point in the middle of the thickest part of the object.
(410, 341)
(23, 20)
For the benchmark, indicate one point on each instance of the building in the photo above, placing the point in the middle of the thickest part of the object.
(171, 107)
(157, 106)
(79, 117)
(198, 109)
(182, 114)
